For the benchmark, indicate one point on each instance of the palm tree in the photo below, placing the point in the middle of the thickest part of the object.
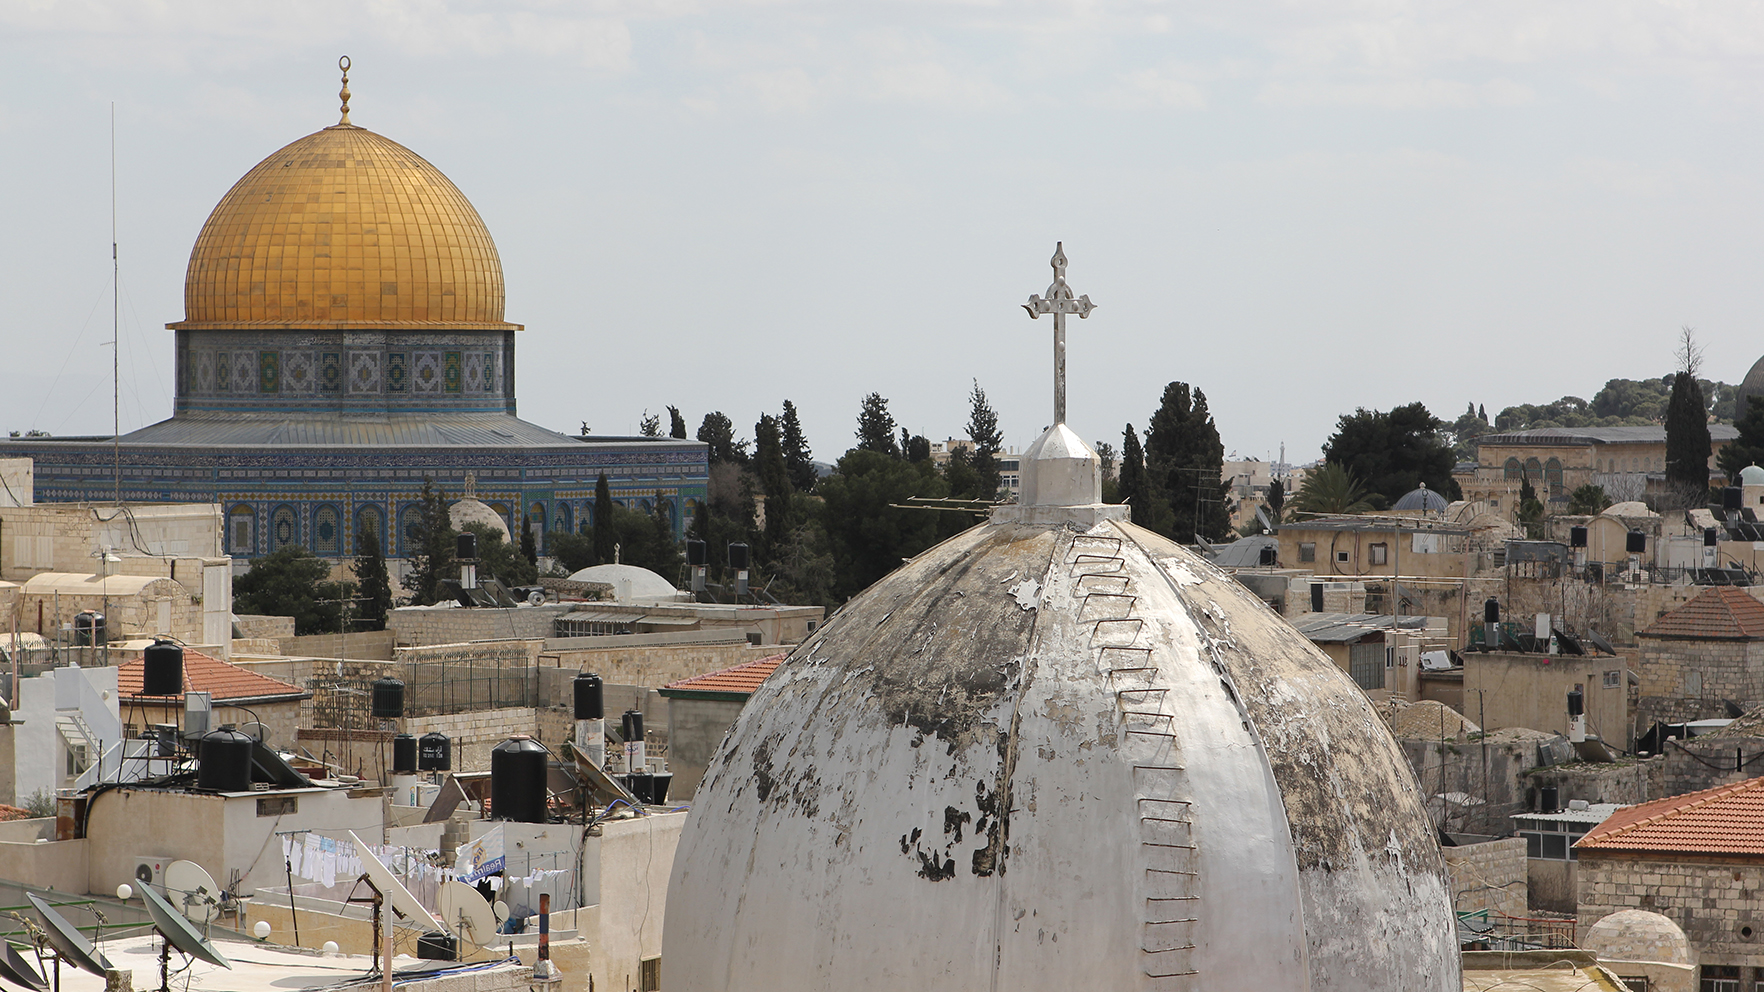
(1331, 489)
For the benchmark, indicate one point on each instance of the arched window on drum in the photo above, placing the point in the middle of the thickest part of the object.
(241, 530)
(561, 520)
(284, 527)
(370, 520)
(536, 514)
(1513, 470)
(327, 531)
(410, 529)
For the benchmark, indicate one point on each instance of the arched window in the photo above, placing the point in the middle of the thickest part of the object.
(327, 531)
(284, 527)
(370, 520)
(1553, 476)
(1511, 473)
(241, 529)
(1534, 470)
(536, 513)
(560, 521)
(410, 529)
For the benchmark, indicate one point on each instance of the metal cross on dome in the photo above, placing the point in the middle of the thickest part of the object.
(1059, 302)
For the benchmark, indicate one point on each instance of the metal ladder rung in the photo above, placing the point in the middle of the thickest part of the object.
(1162, 819)
(1172, 898)
(1140, 668)
(1167, 950)
(1157, 689)
(1149, 714)
(1152, 733)
(1150, 799)
(1179, 847)
(1171, 871)
(1165, 923)
(1115, 542)
(1168, 974)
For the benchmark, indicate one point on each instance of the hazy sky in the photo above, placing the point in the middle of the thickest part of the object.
(1298, 207)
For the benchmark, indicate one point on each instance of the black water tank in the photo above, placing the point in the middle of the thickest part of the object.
(1710, 537)
(1267, 554)
(225, 761)
(434, 753)
(466, 548)
(1547, 801)
(404, 754)
(388, 699)
(1636, 543)
(695, 553)
(517, 780)
(1577, 537)
(1491, 610)
(1732, 498)
(1576, 702)
(89, 629)
(632, 725)
(738, 556)
(162, 669)
(589, 699)
(437, 945)
(1316, 597)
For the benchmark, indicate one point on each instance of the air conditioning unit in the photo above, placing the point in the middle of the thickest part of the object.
(151, 871)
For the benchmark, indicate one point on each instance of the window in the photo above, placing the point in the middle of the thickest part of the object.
(1341, 557)
(1366, 665)
(1613, 679)
(1719, 978)
(1555, 847)
(649, 975)
(277, 805)
(1308, 551)
(1379, 553)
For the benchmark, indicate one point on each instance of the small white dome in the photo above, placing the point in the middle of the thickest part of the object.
(1751, 475)
(1638, 935)
(630, 583)
(475, 511)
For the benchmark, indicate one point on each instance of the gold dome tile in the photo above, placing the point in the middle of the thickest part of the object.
(322, 211)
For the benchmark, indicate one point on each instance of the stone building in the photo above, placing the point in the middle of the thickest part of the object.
(1559, 460)
(343, 341)
(1700, 655)
(1697, 859)
(700, 711)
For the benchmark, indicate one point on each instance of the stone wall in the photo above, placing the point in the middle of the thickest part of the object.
(420, 625)
(1688, 680)
(1486, 877)
(655, 664)
(375, 645)
(1715, 902)
(696, 728)
(1459, 765)
(265, 627)
(474, 734)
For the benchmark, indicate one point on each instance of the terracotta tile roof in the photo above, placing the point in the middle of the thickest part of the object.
(743, 679)
(1728, 819)
(1717, 613)
(206, 674)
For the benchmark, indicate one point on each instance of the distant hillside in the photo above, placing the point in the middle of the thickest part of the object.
(1622, 403)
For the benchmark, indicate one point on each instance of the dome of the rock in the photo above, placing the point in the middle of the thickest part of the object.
(344, 228)
(1059, 751)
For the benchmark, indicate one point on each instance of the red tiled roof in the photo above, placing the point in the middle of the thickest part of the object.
(1728, 819)
(1717, 613)
(743, 679)
(205, 674)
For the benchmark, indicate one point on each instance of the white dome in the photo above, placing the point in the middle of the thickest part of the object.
(630, 583)
(475, 511)
(1056, 756)
(1751, 475)
(1638, 935)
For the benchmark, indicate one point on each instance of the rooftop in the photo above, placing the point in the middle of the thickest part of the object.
(1323, 628)
(1719, 613)
(1722, 820)
(224, 680)
(1552, 436)
(730, 683)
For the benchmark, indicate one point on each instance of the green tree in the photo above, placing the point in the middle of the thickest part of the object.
(529, 545)
(876, 427)
(1687, 424)
(294, 583)
(868, 535)
(774, 480)
(1393, 453)
(1185, 462)
(500, 560)
(1330, 489)
(646, 540)
(1748, 448)
(798, 459)
(605, 533)
(676, 423)
(1139, 490)
(718, 431)
(1276, 500)
(916, 448)
(983, 431)
(434, 538)
(650, 425)
(374, 580)
(572, 552)
(1586, 500)
(1465, 430)
(1530, 511)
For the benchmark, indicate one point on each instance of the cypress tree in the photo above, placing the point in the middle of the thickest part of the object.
(529, 546)
(983, 431)
(1687, 435)
(876, 427)
(374, 580)
(605, 529)
(798, 459)
(1130, 486)
(433, 561)
(676, 423)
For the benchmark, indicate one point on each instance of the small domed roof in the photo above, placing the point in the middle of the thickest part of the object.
(630, 583)
(472, 510)
(1751, 475)
(1423, 500)
(1638, 935)
(344, 228)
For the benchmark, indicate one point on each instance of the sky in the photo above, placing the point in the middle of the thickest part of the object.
(1300, 208)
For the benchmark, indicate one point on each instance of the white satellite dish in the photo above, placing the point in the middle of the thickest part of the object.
(191, 891)
(465, 913)
(397, 896)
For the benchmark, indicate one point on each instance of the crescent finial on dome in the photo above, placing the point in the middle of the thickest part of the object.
(343, 94)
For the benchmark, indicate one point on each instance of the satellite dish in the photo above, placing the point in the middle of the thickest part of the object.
(191, 891)
(178, 932)
(15, 969)
(1598, 641)
(465, 913)
(501, 909)
(397, 896)
(256, 731)
(67, 939)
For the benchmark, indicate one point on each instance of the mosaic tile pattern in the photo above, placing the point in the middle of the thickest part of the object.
(269, 371)
(298, 374)
(223, 372)
(426, 372)
(330, 374)
(364, 372)
(397, 372)
(205, 372)
(480, 372)
(244, 371)
(450, 372)
(344, 227)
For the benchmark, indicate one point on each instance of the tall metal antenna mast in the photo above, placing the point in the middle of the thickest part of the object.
(115, 325)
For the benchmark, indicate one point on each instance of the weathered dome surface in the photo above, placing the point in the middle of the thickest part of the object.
(630, 584)
(344, 228)
(1422, 499)
(472, 510)
(1752, 385)
(1638, 935)
(1054, 756)
(1751, 475)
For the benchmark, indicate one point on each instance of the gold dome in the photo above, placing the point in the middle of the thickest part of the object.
(344, 229)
